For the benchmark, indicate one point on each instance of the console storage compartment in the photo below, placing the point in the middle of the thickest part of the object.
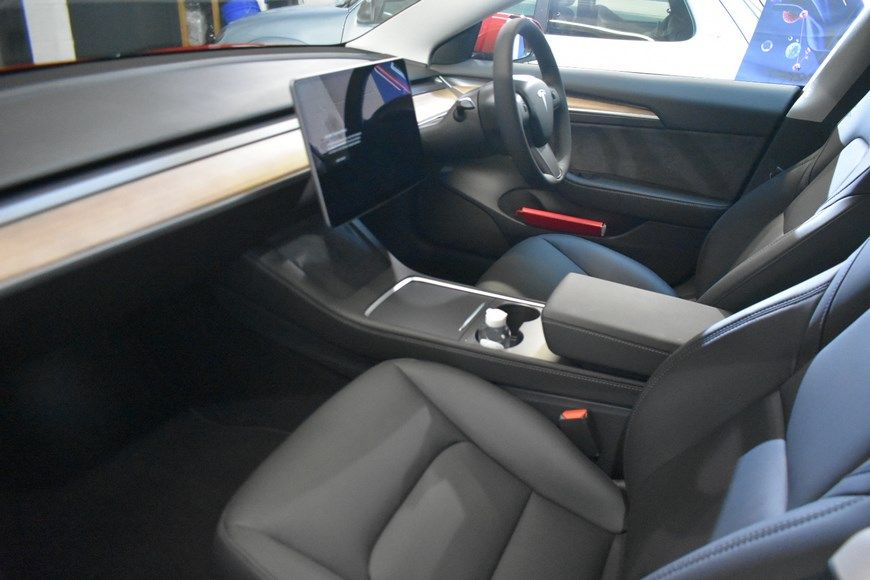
(619, 327)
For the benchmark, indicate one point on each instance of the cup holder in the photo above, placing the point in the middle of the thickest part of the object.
(517, 316)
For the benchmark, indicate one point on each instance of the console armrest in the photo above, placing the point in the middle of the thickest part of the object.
(623, 328)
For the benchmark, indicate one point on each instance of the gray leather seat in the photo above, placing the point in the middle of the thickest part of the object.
(747, 456)
(799, 223)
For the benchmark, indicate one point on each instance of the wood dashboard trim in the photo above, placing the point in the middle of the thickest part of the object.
(53, 237)
(598, 107)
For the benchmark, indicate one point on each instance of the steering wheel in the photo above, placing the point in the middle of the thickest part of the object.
(532, 114)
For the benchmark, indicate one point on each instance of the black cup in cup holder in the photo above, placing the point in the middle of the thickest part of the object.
(517, 316)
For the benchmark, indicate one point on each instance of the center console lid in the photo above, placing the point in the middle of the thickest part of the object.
(620, 327)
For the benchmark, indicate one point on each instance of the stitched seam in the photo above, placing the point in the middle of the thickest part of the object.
(588, 272)
(701, 341)
(467, 352)
(862, 468)
(607, 337)
(416, 482)
(756, 536)
(493, 459)
(289, 547)
(834, 291)
(841, 193)
(567, 257)
(512, 534)
(775, 259)
(815, 159)
(240, 551)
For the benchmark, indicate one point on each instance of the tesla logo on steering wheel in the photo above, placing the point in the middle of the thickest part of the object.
(542, 94)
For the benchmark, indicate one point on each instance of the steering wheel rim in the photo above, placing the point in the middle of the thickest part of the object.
(532, 113)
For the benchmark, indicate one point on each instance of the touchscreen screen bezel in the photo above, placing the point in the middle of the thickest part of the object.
(337, 220)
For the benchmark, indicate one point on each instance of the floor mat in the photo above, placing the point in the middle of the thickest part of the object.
(149, 507)
(149, 513)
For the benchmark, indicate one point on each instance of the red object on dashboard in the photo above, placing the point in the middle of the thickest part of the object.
(559, 222)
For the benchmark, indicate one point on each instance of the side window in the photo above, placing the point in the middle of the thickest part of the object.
(769, 41)
(792, 39)
(657, 20)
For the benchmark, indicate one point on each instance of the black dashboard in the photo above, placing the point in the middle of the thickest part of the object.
(77, 116)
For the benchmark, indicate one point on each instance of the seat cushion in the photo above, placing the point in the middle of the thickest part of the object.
(534, 267)
(420, 470)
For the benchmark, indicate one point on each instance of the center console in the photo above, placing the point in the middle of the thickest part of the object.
(338, 290)
(456, 312)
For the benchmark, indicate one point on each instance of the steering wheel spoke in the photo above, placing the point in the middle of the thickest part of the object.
(558, 101)
(546, 161)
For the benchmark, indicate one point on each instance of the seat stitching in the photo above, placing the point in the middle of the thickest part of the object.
(567, 257)
(836, 284)
(608, 337)
(493, 459)
(588, 271)
(240, 551)
(754, 537)
(463, 351)
(513, 533)
(701, 341)
(293, 548)
(416, 482)
(814, 170)
(839, 194)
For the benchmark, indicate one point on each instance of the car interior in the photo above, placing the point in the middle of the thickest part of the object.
(384, 310)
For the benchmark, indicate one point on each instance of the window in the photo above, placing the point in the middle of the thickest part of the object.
(771, 41)
(53, 31)
(643, 20)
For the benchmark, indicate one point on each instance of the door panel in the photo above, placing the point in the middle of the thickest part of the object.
(708, 165)
(659, 159)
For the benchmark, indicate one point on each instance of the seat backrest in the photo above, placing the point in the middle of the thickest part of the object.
(803, 221)
(749, 452)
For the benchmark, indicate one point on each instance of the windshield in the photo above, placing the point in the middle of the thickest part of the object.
(34, 32)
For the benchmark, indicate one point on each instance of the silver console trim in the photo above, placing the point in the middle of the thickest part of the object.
(471, 317)
(467, 289)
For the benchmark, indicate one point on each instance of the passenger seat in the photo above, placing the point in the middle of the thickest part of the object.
(746, 456)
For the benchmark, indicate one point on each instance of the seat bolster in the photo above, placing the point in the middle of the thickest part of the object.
(820, 243)
(693, 393)
(522, 441)
(534, 267)
(245, 554)
(795, 545)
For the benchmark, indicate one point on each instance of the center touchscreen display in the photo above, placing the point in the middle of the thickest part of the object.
(362, 136)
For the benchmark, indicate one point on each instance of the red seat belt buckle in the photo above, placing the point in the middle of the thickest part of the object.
(559, 222)
(577, 425)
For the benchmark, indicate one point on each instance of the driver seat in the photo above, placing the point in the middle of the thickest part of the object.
(799, 223)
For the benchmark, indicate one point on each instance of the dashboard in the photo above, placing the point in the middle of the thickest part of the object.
(168, 155)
